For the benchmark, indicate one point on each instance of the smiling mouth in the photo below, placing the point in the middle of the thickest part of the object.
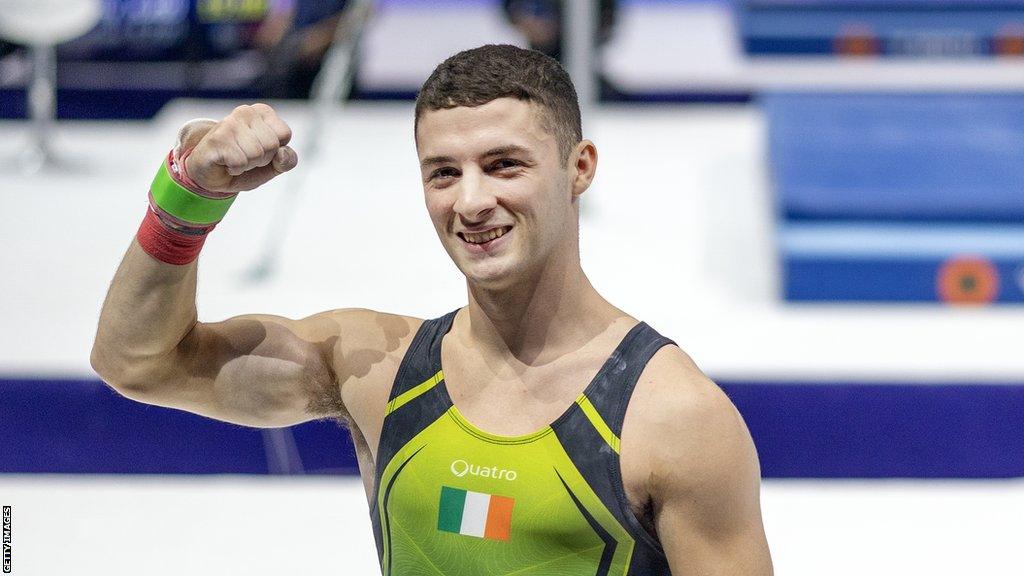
(484, 237)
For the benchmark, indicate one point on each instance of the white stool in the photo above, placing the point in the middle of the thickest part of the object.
(41, 25)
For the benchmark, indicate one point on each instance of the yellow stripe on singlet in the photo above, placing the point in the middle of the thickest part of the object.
(413, 392)
(599, 424)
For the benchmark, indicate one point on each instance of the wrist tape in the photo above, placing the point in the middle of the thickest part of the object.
(180, 214)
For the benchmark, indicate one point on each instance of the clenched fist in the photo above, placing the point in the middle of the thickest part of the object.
(241, 152)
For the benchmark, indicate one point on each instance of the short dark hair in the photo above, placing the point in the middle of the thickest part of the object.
(477, 76)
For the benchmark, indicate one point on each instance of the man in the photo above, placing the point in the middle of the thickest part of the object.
(542, 25)
(537, 430)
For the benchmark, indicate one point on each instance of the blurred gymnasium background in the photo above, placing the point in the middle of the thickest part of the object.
(822, 201)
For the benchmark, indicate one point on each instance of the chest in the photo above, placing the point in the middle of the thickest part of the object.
(510, 400)
(489, 504)
(503, 401)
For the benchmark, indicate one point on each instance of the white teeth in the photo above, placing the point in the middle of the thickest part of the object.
(486, 236)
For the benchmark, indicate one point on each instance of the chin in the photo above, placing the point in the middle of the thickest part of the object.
(490, 277)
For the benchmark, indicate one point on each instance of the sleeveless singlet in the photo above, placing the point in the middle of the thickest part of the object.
(453, 500)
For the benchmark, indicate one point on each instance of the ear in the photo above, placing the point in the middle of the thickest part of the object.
(582, 166)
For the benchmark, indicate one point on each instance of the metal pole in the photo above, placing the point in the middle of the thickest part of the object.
(578, 48)
(580, 20)
(42, 102)
(330, 87)
(282, 452)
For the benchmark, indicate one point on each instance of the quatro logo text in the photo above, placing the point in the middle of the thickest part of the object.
(460, 468)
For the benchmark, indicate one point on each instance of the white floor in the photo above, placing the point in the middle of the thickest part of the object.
(264, 526)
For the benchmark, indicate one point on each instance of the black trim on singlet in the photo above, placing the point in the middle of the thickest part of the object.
(610, 393)
(387, 497)
(410, 419)
(608, 553)
(417, 366)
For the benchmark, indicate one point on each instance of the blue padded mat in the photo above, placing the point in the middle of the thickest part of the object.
(905, 157)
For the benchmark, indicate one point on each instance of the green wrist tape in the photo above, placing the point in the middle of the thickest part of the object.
(185, 204)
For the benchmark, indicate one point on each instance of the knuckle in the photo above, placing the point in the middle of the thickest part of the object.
(218, 139)
(243, 112)
(269, 132)
(229, 124)
(269, 143)
(232, 156)
(220, 157)
(283, 132)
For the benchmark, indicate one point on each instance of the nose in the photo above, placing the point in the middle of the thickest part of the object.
(474, 199)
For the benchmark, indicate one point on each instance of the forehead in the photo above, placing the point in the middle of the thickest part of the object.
(464, 130)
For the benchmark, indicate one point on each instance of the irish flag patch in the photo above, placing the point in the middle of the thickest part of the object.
(475, 514)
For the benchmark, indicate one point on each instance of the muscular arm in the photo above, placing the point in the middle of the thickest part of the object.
(258, 370)
(706, 481)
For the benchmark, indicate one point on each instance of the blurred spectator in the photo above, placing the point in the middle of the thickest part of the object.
(133, 31)
(540, 21)
(6, 48)
(295, 39)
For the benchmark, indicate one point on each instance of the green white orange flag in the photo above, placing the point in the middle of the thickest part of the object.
(475, 514)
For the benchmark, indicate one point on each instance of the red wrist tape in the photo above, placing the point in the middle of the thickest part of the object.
(167, 244)
(167, 238)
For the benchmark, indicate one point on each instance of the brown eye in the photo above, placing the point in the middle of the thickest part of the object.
(505, 163)
(445, 172)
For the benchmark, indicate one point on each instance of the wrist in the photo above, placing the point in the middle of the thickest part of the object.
(178, 170)
(180, 200)
(181, 213)
(168, 244)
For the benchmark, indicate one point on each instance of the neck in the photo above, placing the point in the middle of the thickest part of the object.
(538, 319)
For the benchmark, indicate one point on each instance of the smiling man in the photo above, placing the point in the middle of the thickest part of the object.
(537, 430)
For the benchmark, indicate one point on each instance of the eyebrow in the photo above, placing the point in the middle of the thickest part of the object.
(507, 149)
(497, 151)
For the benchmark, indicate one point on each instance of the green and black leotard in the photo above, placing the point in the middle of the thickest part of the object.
(453, 500)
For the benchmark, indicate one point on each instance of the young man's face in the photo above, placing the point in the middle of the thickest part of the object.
(495, 167)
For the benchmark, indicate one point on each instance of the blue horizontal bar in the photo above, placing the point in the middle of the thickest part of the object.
(861, 430)
(858, 279)
(920, 241)
(824, 429)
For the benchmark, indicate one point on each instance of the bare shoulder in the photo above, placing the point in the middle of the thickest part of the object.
(672, 390)
(365, 353)
(676, 402)
(698, 468)
(361, 341)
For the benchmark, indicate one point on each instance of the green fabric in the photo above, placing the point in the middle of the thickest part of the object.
(182, 203)
(450, 516)
(549, 535)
